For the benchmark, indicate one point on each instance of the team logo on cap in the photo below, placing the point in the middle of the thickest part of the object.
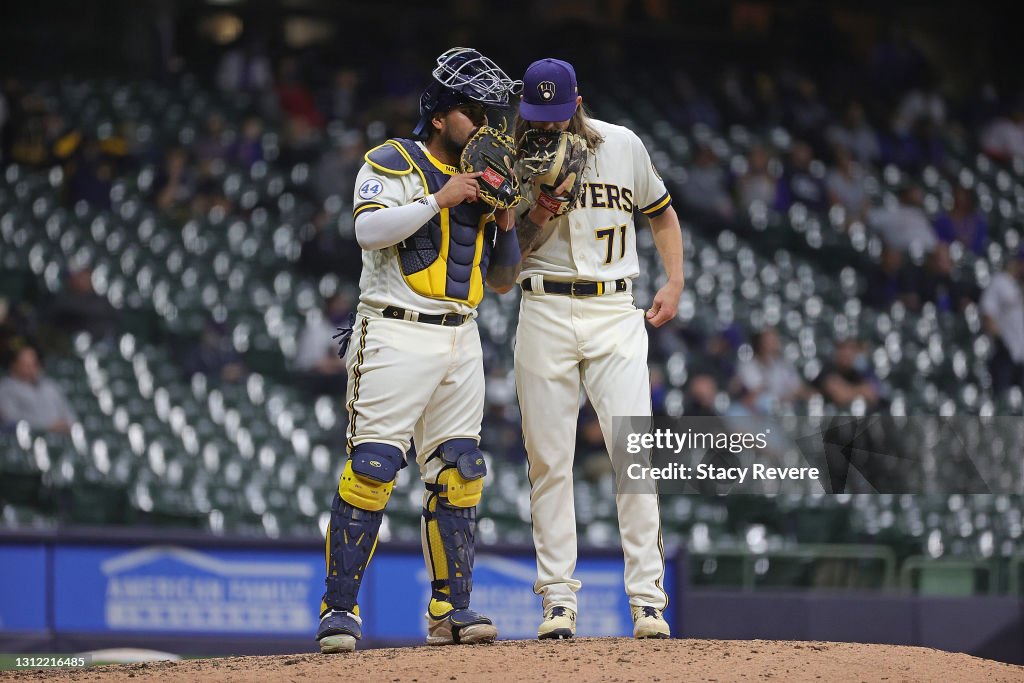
(546, 90)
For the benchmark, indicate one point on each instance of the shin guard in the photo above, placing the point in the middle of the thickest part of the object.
(449, 524)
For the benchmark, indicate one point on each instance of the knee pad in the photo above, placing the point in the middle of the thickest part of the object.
(460, 482)
(450, 520)
(369, 475)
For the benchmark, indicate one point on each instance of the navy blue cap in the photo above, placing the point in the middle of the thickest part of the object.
(549, 91)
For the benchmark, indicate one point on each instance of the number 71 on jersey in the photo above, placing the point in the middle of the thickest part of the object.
(609, 234)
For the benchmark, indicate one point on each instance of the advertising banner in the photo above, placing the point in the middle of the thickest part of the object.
(22, 587)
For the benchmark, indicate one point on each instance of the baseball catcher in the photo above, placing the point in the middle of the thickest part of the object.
(432, 236)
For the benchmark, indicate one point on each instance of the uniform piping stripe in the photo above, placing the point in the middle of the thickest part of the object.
(357, 372)
(369, 205)
(659, 204)
(661, 542)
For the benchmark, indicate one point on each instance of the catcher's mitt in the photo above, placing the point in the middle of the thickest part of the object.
(547, 159)
(492, 153)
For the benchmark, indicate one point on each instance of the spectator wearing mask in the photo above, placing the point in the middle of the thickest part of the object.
(27, 394)
(1002, 308)
(934, 283)
(773, 379)
(845, 182)
(905, 226)
(848, 377)
(855, 134)
(317, 355)
(705, 188)
(963, 223)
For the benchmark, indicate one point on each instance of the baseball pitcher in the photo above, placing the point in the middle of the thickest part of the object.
(577, 324)
(415, 369)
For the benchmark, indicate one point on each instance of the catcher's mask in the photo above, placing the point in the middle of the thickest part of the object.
(462, 76)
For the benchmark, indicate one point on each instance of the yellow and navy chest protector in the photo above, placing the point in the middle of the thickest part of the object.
(446, 258)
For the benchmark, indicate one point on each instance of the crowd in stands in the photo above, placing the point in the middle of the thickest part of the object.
(300, 116)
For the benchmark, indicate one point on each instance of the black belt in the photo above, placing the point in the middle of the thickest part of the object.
(447, 319)
(575, 288)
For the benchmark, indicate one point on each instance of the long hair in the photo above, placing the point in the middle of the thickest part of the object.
(579, 124)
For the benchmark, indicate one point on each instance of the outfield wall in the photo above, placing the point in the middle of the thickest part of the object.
(188, 593)
(76, 590)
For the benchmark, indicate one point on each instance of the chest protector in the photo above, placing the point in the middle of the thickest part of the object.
(446, 258)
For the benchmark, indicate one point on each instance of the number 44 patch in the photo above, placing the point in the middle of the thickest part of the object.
(370, 188)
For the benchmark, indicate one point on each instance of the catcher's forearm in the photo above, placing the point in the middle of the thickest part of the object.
(532, 234)
(668, 239)
(506, 261)
(381, 228)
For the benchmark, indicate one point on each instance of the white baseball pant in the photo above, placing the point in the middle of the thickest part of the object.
(600, 341)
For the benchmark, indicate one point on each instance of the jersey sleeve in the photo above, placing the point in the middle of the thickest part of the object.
(376, 190)
(652, 197)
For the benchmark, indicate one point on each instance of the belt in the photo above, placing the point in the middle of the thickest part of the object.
(577, 288)
(447, 319)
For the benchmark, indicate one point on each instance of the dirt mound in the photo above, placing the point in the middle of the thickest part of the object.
(584, 659)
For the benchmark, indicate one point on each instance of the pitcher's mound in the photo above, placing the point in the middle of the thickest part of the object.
(583, 659)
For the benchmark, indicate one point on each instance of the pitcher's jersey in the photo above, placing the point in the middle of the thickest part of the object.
(381, 283)
(596, 240)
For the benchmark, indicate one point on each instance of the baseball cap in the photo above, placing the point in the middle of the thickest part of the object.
(549, 91)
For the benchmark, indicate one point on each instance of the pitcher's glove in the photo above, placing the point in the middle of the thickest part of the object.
(549, 159)
(492, 153)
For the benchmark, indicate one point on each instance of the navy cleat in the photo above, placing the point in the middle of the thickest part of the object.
(339, 630)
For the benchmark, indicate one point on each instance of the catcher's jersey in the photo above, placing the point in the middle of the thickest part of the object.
(596, 240)
(382, 282)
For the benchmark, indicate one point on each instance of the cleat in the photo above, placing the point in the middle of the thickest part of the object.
(648, 622)
(339, 630)
(559, 623)
(460, 627)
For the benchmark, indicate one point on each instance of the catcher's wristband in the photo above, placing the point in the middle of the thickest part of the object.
(431, 201)
(550, 203)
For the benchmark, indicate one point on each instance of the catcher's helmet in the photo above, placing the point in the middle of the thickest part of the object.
(463, 75)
